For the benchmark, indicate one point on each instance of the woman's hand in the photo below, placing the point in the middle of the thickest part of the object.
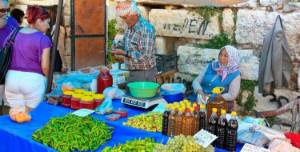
(64, 68)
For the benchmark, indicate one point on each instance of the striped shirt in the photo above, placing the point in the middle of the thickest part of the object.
(140, 43)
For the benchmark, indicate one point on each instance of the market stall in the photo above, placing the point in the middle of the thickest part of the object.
(17, 136)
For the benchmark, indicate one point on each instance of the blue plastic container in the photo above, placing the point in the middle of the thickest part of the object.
(173, 98)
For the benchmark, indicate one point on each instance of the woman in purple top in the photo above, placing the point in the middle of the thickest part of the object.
(7, 24)
(25, 81)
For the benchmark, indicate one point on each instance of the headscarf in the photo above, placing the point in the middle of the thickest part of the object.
(232, 65)
(127, 8)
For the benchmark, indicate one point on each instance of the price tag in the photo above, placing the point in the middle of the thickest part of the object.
(83, 112)
(160, 108)
(204, 138)
(252, 148)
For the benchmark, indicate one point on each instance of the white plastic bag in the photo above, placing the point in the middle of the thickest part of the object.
(172, 88)
(105, 108)
(200, 101)
(258, 135)
(113, 92)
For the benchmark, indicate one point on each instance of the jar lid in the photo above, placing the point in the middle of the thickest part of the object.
(79, 91)
(98, 96)
(77, 95)
(86, 99)
(68, 93)
(88, 93)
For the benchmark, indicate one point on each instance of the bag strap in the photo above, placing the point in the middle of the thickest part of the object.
(13, 36)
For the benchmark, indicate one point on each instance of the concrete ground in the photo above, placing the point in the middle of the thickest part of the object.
(5, 110)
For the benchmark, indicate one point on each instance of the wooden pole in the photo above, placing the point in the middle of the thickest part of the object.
(54, 46)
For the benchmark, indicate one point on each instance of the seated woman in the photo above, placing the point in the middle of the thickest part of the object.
(222, 73)
(24, 81)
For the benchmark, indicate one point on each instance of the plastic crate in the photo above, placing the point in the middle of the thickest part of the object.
(166, 63)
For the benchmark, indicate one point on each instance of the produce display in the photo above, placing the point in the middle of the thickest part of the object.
(146, 145)
(151, 121)
(72, 132)
(182, 144)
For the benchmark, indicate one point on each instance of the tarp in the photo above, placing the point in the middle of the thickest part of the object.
(16, 137)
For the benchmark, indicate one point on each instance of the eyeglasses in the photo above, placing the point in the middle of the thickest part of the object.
(4, 10)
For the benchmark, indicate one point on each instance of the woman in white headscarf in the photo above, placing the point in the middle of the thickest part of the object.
(222, 73)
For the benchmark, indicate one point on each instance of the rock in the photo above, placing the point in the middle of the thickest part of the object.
(248, 4)
(67, 8)
(267, 2)
(165, 45)
(67, 20)
(111, 10)
(193, 60)
(40, 3)
(182, 23)
(294, 77)
(68, 47)
(69, 62)
(290, 7)
(228, 22)
(120, 26)
(180, 41)
(281, 128)
(298, 79)
(68, 30)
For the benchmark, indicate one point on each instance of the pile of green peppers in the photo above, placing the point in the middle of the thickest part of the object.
(146, 145)
(72, 132)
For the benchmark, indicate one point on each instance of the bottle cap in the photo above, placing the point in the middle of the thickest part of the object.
(181, 102)
(197, 108)
(202, 106)
(192, 109)
(78, 96)
(173, 108)
(98, 96)
(214, 110)
(223, 111)
(185, 101)
(86, 99)
(175, 103)
(68, 93)
(177, 106)
(188, 106)
(170, 105)
(167, 106)
(180, 109)
(79, 91)
(89, 93)
(187, 111)
(194, 104)
(233, 113)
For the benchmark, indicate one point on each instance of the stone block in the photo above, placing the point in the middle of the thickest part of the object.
(248, 4)
(182, 23)
(67, 21)
(294, 76)
(298, 79)
(120, 26)
(193, 60)
(67, 8)
(111, 10)
(40, 3)
(69, 62)
(290, 7)
(68, 47)
(228, 22)
(68, 30)
(267, 2)
(165, 45)
(253, 25)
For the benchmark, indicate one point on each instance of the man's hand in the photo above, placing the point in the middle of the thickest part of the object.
(118, 52)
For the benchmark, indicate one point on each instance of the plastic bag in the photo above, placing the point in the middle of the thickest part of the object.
(113, 92)
(55, 97)
(20, 114)
(282, 146)
(258, 135)
(67, 86)
(200, 101)
(252, 120)
(172, 88)
(105, 108)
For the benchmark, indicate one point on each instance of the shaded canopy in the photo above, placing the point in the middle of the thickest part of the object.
(204, 2)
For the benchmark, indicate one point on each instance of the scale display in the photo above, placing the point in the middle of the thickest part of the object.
(144, 103)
